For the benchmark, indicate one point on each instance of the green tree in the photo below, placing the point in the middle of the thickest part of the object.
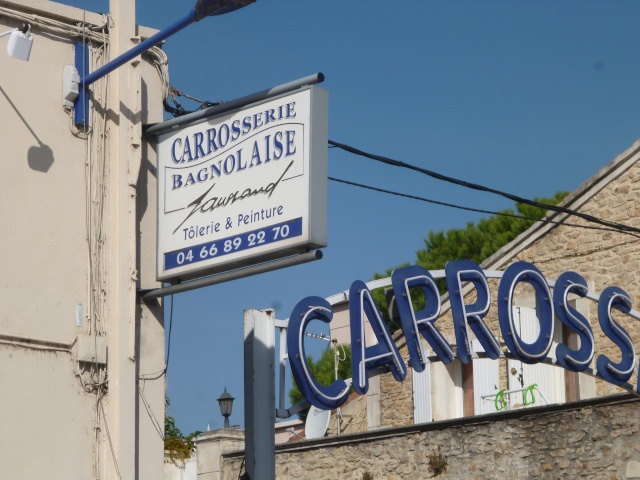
(479, 241)
(476, 242)
(179, 446)
(323, 370)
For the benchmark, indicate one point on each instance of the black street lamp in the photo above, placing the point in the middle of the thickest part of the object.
(226, 404)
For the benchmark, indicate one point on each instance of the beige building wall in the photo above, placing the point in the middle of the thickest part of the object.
(211, 446)
(78, 241)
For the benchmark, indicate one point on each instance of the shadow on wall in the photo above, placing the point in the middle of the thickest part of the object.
(39, 157)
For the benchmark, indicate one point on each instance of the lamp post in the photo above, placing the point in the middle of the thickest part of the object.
(202, 9)
(226, 404)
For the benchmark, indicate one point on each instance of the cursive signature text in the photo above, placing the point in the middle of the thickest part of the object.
(202, 204)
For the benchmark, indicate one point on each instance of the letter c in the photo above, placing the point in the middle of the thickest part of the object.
(306, 310)
(177, 141)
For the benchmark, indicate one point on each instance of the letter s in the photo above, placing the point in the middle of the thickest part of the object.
(573, 360)
(306, 310)
(616, 373)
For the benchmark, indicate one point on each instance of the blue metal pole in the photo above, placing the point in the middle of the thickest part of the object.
(81, 110)
(140, 48)
(203, 8)
(81, 107)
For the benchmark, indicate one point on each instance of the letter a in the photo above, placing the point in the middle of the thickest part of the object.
(422, 321)
(363, 358)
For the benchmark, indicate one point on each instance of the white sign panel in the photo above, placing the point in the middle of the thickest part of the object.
(243, 187)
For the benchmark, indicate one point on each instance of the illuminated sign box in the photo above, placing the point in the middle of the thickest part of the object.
(243, 187)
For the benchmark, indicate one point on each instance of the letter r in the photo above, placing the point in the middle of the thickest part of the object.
(465, 316)
(411, 280)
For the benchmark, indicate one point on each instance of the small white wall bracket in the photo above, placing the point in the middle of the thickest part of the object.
(70, 86)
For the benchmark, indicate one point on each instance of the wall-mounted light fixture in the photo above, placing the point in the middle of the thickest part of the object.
(20, 42)
(76, 80)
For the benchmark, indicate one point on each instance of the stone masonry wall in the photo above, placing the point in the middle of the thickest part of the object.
(396, 398)
(603, 258)
(597, 439)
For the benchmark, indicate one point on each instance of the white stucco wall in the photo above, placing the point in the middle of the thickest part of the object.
(48, 418)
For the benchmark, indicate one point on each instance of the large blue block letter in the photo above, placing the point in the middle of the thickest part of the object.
(535, 352)
(574, 360)
(383, 354)
(465, 316)
(422, 321)
(617, 373)
(327, 398)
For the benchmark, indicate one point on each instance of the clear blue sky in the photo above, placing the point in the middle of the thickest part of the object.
(526, 97)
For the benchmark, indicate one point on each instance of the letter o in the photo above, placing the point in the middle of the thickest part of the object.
(535, 352)
(229, 164)
(223, 135)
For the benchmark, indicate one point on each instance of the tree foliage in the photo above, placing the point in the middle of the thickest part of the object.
(479, 241)
(323, 370)
(476, 242)
(179, 446)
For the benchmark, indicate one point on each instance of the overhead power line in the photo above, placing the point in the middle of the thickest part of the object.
(611, 226)
(471, 209)
(482, 188)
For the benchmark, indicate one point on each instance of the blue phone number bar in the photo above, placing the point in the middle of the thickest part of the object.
(237, 243)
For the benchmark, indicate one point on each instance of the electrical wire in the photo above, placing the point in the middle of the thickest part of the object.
(607, 226)
(482, 188)
(179, 110)
(91, 34)
(166, 367)
(106, 427)
(57, 27)
(154, 420)
(160, 373)
(471, 209)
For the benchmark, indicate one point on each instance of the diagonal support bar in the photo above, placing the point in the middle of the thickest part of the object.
(203, 8)
(81, 112)
(138, 49)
